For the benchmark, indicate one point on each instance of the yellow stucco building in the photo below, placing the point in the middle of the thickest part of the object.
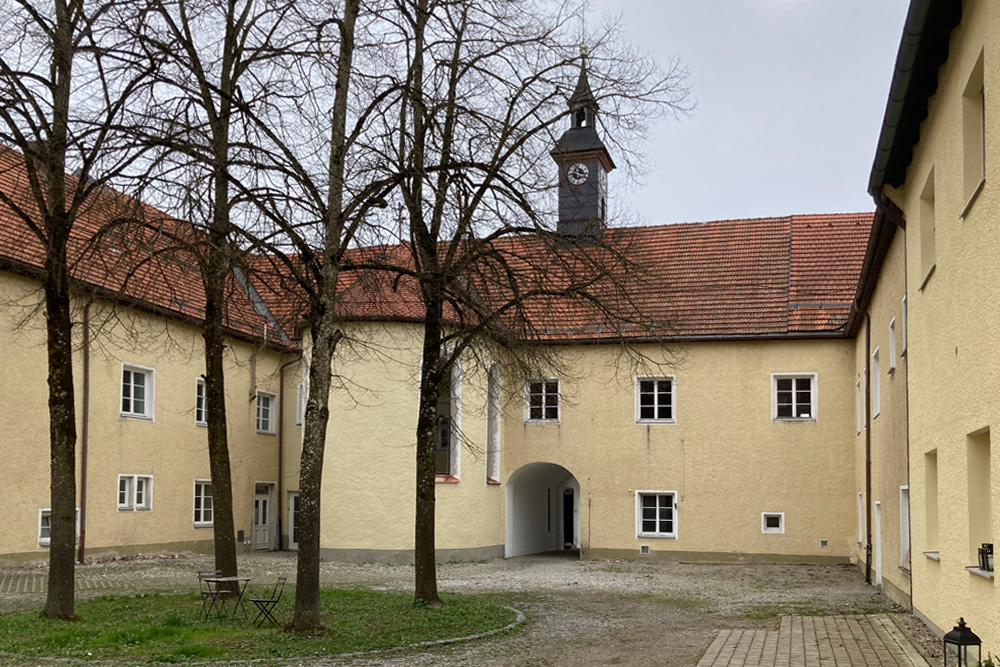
(826, 392)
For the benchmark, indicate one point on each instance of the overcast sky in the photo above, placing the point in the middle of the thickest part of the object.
(790, 98)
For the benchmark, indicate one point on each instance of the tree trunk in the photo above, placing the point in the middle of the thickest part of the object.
(223, 525)
(62, 425)
(425, 569)
(325, 337)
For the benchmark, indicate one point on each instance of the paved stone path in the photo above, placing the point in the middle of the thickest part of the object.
(816, 641)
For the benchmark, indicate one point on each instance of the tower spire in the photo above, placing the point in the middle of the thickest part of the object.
(583, 96)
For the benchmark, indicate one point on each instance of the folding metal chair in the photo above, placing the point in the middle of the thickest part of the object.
(210, 594)
(266, 605)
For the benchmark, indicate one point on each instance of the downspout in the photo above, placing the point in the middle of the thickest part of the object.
(84, 432)
(868, 450)
(281, 440)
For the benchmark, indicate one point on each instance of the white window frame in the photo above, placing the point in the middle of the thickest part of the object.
(47, 511)
(861, 517)
(780, 530)
(892, 345)
(272, 412)
(673, 399)
(857, 406)
(494, 413)
(902, 338)
(639, 494)
(200, 395)
(132, 493)
(876, 385)
(527, 401)
(149, 390)
(300, 403)
(813, 396)
(904, 525)
(194, 516)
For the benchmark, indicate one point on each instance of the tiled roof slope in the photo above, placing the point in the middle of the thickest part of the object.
(144, 259)
(792, 276)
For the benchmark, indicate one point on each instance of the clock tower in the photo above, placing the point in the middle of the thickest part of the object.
(584, 164)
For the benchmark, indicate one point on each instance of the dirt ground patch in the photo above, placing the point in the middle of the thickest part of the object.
(580, 612)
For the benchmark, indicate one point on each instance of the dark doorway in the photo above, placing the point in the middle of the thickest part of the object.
(569, 538)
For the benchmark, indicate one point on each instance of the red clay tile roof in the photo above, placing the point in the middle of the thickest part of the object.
(142, 260)
(792, 276)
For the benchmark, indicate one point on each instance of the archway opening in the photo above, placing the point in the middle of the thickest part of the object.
(543, 510)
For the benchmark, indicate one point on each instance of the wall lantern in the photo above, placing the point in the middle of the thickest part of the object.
(962, 648)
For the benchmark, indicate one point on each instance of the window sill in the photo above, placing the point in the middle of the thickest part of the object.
(202, 525)
(646, 422)
(128, 415)
(933, 555)
(654, 536)
(927, 278)
(972, 199)
(541, 421)
(985, 574)
(793, 420)
(201, 424)
(492, 482)
(446, 479)
(904, 570)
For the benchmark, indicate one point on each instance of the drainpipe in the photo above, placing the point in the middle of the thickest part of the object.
(281, 440)
(84, 432)
(868, 450)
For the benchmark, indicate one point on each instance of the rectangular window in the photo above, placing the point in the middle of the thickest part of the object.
(137, 392)
(902, 331)
(656, 514)
(135, 492)
(200, 403)
(493, 413)
(927, 230)
(931, 499)
(202, 502)
(892, 345)
(654, 399)
(300, 403)
(45, 526)
(857, 405)
(794, 396)
(861, 517)
(980, 492)
(266, 404)
(904, 527)
(973, 135)
(543, 400)
(772, 522)
(876, 386)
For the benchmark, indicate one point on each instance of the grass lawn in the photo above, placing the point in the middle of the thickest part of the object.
(167, 628)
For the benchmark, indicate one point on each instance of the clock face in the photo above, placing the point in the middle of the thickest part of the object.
(578, 173)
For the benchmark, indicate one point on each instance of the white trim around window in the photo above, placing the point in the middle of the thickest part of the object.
(794, 397)
(876, 385)
(902, 331)
(300, 403)
(200, 403)
(45, 526)
(892, 345)
(137, 391)
(655, 399)
(204, 507)
(267, 404)
(135, 492)
(656, 514)
(772, 523)
(542, 399)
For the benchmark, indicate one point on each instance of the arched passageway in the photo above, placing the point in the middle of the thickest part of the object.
(543, 510)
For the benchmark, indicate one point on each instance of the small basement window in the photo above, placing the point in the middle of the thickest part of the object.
(772, 522)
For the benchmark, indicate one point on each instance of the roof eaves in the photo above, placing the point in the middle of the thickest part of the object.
(922, 50)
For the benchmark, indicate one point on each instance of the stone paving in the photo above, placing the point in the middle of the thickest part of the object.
(816, 641)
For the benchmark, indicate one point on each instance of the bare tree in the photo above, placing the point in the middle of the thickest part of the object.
(486, 89)
(63, 89)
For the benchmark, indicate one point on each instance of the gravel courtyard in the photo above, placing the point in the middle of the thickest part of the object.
(580, 612)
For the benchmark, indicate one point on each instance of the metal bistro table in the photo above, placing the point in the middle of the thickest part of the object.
(237, 586)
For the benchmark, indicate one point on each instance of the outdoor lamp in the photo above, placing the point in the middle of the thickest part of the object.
(962, 648)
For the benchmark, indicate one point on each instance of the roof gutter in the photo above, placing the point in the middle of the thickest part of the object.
(923, 49)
